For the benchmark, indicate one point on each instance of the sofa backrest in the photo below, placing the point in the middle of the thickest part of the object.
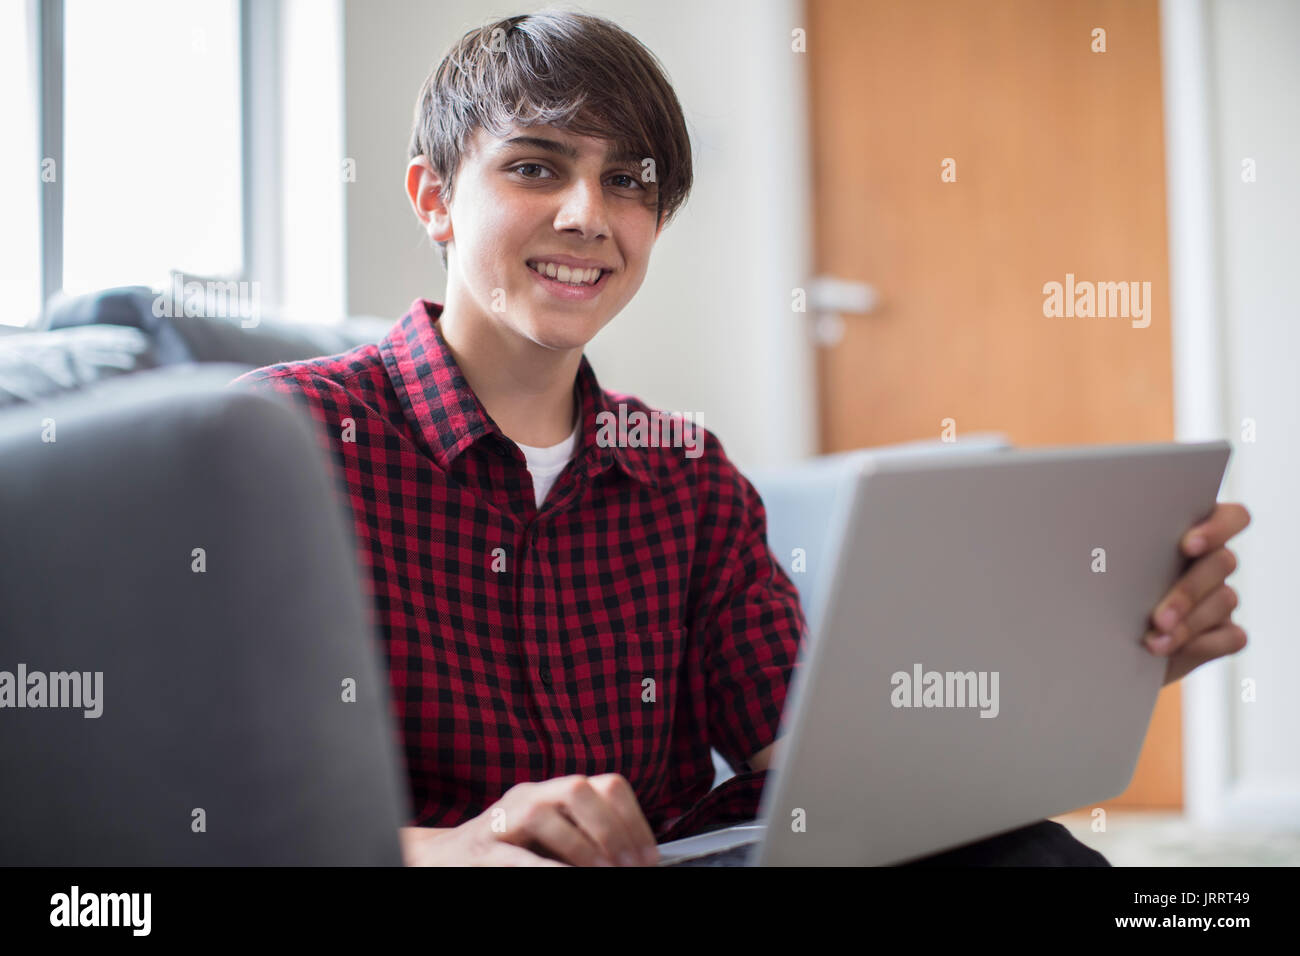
(176, 558)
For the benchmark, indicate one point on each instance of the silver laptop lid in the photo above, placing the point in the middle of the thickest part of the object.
(802, 499)
(1023, 582)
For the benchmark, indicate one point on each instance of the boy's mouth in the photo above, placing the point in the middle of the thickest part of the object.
(577, 278)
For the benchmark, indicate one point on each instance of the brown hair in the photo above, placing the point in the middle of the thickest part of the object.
(569, 70)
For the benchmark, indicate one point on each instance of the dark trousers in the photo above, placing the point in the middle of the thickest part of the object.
(1046, 843)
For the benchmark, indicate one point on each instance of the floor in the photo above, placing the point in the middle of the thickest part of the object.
(1154, 838)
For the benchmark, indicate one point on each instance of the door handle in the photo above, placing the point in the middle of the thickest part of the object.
(831, 298)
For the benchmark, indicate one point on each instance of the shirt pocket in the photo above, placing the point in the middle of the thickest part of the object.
(625, 696)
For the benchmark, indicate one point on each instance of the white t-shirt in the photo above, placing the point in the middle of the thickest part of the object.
(545, 464)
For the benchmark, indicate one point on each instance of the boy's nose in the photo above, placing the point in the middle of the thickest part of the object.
(583, 210)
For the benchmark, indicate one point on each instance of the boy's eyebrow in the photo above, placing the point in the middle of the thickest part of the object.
(539, 142)
(613, 154)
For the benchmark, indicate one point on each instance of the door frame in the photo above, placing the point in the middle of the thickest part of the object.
(1213, 793)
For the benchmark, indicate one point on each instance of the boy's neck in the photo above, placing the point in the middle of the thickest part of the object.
(526, 389)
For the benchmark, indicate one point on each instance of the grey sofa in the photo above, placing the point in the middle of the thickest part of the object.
(115, 332)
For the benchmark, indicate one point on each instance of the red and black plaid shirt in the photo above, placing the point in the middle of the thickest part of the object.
(519, 641)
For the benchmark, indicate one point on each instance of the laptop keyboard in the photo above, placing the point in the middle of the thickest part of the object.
(732, 856)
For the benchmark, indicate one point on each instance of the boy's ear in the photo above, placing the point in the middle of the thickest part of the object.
(424, 190)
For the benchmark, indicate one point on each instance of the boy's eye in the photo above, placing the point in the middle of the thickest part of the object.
(523, 166)
(533, 171)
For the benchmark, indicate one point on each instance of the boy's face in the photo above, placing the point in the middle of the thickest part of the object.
(535, 194)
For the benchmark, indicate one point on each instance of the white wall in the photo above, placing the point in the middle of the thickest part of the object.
(1232, 72)
(711, 330)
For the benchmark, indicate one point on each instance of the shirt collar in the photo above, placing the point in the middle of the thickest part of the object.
(447, 415)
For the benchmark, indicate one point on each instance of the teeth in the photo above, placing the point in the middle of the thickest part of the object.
(566, 274)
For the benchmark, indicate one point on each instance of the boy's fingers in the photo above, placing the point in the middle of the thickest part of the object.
(1214, 611)
(601, 822)
(1209, 646)
(1203, 578)
(1226, 521)
(620, 795)
(558, 835)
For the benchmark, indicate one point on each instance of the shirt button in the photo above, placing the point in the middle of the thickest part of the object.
(544, 673)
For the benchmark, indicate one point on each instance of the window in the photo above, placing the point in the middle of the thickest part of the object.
(146, 137)
(152, 142)
(313, 173)
(21, 170)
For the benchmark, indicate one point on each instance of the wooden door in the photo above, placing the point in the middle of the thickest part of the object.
(1056, 153)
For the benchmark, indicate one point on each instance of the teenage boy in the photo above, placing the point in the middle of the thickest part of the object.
(572, 617)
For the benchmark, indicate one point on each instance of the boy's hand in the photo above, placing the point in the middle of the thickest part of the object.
(1192, 624)
(584, 821)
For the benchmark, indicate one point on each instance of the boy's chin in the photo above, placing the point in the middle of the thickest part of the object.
(564, 331)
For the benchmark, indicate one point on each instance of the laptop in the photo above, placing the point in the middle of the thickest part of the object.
(973, 662)
(178, 556)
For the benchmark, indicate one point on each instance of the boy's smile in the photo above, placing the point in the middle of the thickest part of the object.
(569, 277)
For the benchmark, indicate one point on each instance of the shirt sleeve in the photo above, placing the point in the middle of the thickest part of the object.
(748, 612)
